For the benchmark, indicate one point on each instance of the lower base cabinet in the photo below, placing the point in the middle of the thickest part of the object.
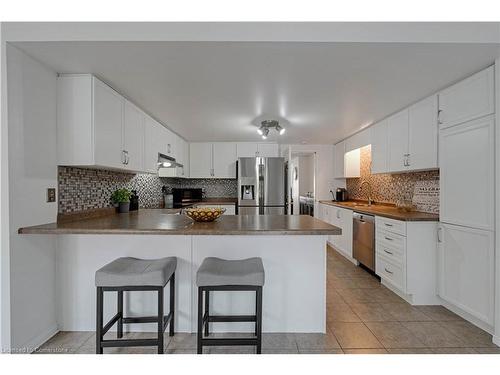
(342, 218)
(405, 258)
(466, 270)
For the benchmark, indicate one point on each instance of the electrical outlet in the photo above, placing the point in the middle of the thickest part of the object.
(51, 194)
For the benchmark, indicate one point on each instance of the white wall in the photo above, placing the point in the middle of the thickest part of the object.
(306, 174)
(496, 337)
(31, 95)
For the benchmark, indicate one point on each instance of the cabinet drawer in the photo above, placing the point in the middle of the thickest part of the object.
(394, 226)
(395, 255)
(391, 240)
(390, 272)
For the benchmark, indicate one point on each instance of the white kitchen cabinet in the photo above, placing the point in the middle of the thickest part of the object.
(423, 135)
(469, 99)
(466, 161)
(152, 144)
(342, 218)
(339, 160)
(224, 160)
(133, 137)
(397, 139)
(182, 156)
(200, 160)
(170, 146)
(253, 149)
(108, 116)
(352, 163)
(186, 169)
(379, 147)
(466, 270)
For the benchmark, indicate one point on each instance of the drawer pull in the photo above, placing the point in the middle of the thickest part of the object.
(388, 225)
(388, 238)
(388, 252)
(386, 270)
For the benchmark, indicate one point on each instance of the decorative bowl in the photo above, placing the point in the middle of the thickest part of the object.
(204, 214)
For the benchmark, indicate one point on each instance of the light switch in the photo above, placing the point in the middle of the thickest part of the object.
(51, 194)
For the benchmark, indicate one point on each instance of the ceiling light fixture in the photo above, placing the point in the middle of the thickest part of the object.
(270, 124)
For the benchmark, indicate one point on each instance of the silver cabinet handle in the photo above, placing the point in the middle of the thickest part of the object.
(125, 158)
(338, 214)
(388, 238)
(388, 225)
(386, 270)
(388, 252)
(439, 117)
(440, 231)
(169, 148)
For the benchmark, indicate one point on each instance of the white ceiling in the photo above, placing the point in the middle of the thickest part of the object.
(215, 91)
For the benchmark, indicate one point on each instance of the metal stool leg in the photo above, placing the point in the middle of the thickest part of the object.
(160, 320)
(172, 305)
(99, 318)
(200, 321)
(119, 331)
(258, 324)
(207, 310)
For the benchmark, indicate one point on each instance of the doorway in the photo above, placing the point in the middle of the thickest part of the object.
(303, 183)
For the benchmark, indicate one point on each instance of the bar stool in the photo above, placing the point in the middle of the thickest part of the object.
(132, 274)
(217, 274)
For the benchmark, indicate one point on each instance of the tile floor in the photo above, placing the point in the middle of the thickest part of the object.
(362, 317)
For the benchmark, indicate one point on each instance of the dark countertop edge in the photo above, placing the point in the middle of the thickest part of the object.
(401, 217)
(177, 232)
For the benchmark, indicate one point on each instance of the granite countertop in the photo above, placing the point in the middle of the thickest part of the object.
(159, 221)
(385, 210)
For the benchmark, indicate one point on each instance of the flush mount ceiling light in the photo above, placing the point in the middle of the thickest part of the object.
(270, 124)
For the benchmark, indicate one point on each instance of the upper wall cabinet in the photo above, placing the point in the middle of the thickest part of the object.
(250, 149)
(467, 100)
(379, 147)
(347, 164)
(412, 137)
(98, 127)
(358, 140)
(339, 160)
(212, 160)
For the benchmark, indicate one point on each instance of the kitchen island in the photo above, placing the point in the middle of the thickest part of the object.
(293, 250)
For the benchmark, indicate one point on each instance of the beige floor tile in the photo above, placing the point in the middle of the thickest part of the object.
(321, 351)
(433, 335)
(394, 335)
(384, 295)
(356, 296)
(365, 351)
(404, 312)
(279, 351)
(410, 351)
(232, 350)
(454, 351)
(279, 341)
(183, 341)
(439, 313)
(371, 312)
(89, 346)
(341, 312)
(354, 336)
(64, 342)
(316, 341)
(469, 333)
(181, 351)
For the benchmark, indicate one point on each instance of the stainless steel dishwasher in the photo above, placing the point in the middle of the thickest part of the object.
(363, 239)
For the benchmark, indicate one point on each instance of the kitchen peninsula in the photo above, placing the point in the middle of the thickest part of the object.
(293, 249)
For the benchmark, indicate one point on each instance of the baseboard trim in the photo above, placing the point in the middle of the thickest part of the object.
(36, 342)
(470, 318)
(496, 340)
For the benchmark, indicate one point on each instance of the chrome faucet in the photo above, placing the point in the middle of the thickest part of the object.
(369, 191)
(333, 195)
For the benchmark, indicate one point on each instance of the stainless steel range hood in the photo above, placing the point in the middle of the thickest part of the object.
(169, 167)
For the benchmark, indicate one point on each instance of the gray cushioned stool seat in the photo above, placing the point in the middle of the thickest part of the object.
(215, 271)
(136, 272)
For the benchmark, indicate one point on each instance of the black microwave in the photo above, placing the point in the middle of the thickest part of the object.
(186, 197)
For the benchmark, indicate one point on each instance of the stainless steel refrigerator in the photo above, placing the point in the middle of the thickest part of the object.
(262, 186)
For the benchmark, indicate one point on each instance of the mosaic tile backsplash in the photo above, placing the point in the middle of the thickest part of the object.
(83, 189)
(391, 188)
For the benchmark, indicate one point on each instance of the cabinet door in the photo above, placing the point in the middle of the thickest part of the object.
(397, 128)
(358, 140)
(108, 118)
(170, 143)
(346, 223)
(246, 149)
(133, 137)
(467, 100)
(186, 159)
(339, 160)
(466, 161)
(423, 134)
(224, 160)
(152, 144)
(352, 164)
(379, 147)
(466, 270)
(268, 150)
(334, 219)
(200, 160)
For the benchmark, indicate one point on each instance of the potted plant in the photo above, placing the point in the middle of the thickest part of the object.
(121, 197)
